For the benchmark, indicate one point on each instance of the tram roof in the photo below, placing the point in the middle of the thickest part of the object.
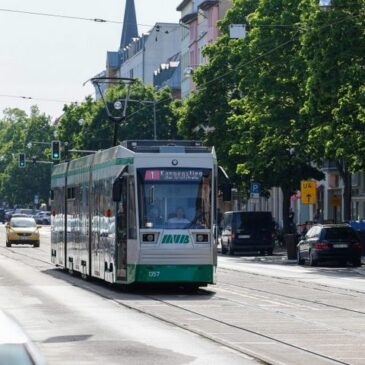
(114, 159)
(166, 146)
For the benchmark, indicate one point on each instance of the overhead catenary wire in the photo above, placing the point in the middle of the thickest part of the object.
(71, 17)
(36, 98)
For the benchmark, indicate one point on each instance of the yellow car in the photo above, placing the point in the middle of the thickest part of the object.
(22, 230)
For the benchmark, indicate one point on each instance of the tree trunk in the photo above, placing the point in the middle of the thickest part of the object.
(347, 190)
(286, 209)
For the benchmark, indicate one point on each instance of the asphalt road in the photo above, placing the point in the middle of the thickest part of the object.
(263, 308)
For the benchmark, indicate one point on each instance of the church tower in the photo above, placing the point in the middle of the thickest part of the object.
(130, 29)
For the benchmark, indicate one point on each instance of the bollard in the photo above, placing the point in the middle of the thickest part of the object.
(291, 241)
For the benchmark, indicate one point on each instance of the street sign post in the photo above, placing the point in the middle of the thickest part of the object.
(308, 190)
(255, 190)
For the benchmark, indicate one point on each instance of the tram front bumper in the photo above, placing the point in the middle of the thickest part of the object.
(175, 274)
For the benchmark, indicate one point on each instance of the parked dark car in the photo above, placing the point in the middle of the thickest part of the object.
(330, 242)
(247, 231)
(2, 215)
(8, 214)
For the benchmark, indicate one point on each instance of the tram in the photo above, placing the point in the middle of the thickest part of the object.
(140, 212)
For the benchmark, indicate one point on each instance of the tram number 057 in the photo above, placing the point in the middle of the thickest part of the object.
(153, 274)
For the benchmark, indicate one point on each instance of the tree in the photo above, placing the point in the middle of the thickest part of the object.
(19, 186)
(217, 85)
(334, 53)
(96, 131)
(262, 75)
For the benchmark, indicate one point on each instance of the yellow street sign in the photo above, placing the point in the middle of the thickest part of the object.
(308, 190)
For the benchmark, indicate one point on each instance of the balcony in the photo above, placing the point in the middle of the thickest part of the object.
(188, 18)
(207, 4)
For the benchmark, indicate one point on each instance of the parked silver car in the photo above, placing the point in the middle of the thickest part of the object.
(15, 346)
(43, 218)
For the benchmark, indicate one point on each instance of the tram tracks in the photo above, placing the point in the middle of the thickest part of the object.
(241, 328)
(281, 295)
(321, 286)
(159, 312)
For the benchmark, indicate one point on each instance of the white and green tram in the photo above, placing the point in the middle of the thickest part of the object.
(141, 212)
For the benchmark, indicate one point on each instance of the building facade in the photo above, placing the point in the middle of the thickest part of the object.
(141, 56)
(144, 55)
(199, 22)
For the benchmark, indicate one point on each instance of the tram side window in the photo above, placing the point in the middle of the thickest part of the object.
(132, 219)
(71, 193)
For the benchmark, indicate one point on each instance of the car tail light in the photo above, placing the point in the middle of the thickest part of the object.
(357, 245)
(321, 245)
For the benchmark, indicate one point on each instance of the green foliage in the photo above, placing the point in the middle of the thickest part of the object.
(17, 129)
(218, 84)
(251, 92)
(96, 131)
(334, 54)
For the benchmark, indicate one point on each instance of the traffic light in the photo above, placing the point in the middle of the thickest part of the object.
(21, 162)
(56, 150)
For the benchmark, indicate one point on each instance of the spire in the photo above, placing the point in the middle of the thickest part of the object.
(130, 29)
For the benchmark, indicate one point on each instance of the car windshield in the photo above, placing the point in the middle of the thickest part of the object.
(24, 211)
(22, 223)
(14, 354)
(253, 221)
(342, 233)
(175, 198)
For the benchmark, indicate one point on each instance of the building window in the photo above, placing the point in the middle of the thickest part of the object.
(131, 73)
(355, 179)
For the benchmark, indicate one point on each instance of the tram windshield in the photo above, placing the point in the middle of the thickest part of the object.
(174, 198)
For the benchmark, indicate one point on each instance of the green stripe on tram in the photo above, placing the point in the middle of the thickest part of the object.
(175, 274)
(117, 161)
(103, 165)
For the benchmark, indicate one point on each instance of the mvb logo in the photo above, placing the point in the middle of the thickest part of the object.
(180, 239)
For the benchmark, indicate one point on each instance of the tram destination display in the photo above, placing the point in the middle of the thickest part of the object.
(177, 175)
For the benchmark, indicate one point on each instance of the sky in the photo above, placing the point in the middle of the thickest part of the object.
(50, 58)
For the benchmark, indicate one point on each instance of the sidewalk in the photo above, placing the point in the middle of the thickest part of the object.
(279, 257)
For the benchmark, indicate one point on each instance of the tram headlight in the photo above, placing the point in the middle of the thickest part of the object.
(148, 237)
(202, 238)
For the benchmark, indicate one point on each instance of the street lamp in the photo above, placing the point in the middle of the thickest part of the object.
(118, 104)
(189, 70)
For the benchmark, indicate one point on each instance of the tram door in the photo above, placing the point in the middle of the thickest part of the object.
(121, 192)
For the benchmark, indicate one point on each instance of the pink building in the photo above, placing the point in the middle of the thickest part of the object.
(199, 19)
